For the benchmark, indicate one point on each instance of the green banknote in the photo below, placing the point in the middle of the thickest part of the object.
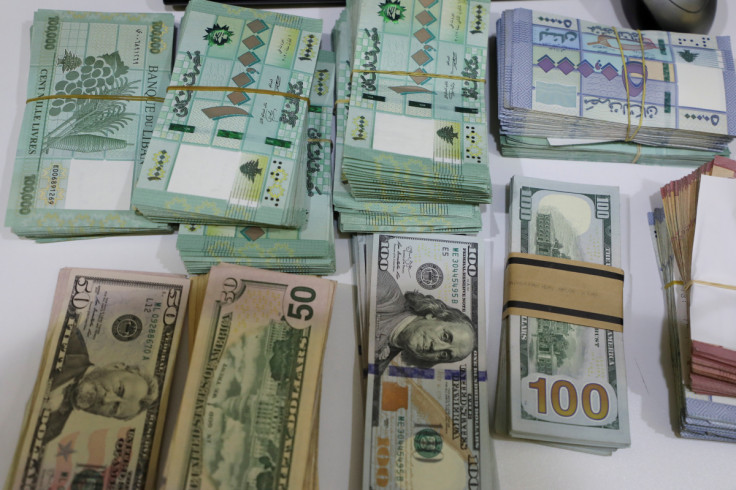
(566, 383)
(376, 214)
(94, 90)
(417, 102)
(316, 238)
(426, 406)
(229, 143)
(252, 390)
(93, 418)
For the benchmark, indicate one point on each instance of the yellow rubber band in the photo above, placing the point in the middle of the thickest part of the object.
(638, 153)
(673, 283)
(319, 140)
(342, 101)
(420, 74)
(202, 88)
(626, 84)
(137, 98)
(708, 283)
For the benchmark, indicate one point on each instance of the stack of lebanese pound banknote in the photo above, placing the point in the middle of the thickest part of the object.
(422, 310)
(574, 89)
(230, 144)
(95, 417)
(563, 382)
(251, 399)
(698, 279)
(412, 149)
(95, 87)
(309, 249)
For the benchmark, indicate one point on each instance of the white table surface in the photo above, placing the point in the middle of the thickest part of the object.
(656, 459)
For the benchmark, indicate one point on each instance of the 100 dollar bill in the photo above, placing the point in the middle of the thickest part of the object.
(93, 420)
(567, 383)
(252, 391)
(426, 408)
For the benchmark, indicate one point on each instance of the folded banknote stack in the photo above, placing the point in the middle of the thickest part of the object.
(562, 372)
(412, 148)
(95, 86)
(308, 249)
(421, 303)
(230, 144)
(252, 392)
(580, 90)
(699, 279)
(96, 415)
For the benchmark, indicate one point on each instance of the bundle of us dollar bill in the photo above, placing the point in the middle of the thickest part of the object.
(426, 406)
(230, 142)
(376, 214)
(574, 89)
(95, 87)
(93, 420)
(251, 398)
(309, 249)
(562, 382)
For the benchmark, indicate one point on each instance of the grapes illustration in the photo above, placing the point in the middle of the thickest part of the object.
(90, 121)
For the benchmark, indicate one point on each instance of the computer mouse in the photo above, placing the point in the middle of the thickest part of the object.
(682, 15)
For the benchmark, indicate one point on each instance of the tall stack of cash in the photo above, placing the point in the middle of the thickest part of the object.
(559, 382)
(95, 87)
(422, 304)
(375, 213)
(93, 418)
(230, 144)
(574, 89)
(309, 249)
(251, 411)
(700, 416)
(695, 209)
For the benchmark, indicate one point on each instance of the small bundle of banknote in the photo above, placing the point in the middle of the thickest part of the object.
(412, 149)
(309, 249)
(95, 417)
(421, 300)
(563, 382)
(95, 87)
(698, 278)
(251, 399)
(230, 145)
(574, 89)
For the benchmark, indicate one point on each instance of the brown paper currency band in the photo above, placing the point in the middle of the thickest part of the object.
(136, 98)
(205, 88)
(564, 290)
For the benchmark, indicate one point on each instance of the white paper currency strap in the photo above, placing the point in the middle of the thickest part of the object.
(713, 278)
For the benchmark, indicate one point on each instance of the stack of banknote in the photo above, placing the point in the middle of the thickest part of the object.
(563, 383)
(700, 416)
(95, 87)
(574, 89)
(422, 309)
(230, 146)
(95, 417)
(412, 149)
(309, 249)
(251, 398)
(695, 209)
